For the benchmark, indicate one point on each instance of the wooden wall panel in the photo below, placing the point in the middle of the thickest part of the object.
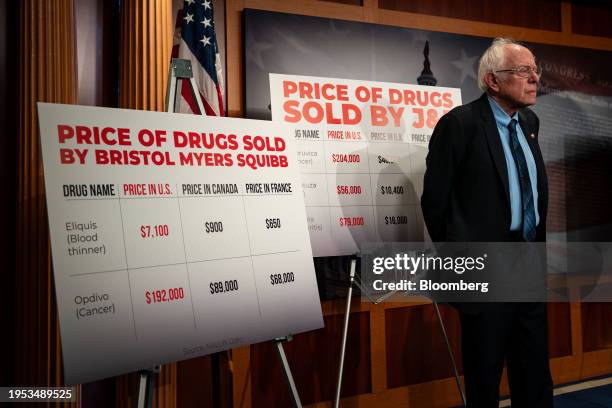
(111, 42)
(353, 2)
(198, 386)
(313, 358)
(98, 394)
(47, 61)
(9, 117)
(592, 17)
(416, 351)
(596, 326)
(539, 14)
(596, 363)
(146, 35)
(559, 330)
(194, 383)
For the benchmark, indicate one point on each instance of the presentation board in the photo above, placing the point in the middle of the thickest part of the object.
(173, 236)
(361, 148)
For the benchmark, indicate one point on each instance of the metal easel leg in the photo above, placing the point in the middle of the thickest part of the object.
(347, 313)
(180, 70)
(450, 353)
(287, 370)
(146, 386)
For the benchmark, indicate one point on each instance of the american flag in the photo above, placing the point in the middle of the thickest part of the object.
(195, 40)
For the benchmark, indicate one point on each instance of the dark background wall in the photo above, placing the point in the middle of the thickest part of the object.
(9, 114)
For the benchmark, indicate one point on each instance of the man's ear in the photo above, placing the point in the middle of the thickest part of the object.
(492, 81)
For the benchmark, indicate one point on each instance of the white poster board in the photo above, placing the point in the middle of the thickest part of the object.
(361, 149)
(173, 236)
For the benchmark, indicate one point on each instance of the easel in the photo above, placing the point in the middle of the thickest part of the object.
(146, 384)
(347, 312)
(450, 353)
(287, 370)
(180, 70)
(354, 279)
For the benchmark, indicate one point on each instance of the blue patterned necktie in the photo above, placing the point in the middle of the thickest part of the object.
(529, 220)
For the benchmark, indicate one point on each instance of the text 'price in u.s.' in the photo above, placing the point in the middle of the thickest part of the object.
(154, 231)
(164, 295)
(272, 223)
(223, 286)
(280, 278)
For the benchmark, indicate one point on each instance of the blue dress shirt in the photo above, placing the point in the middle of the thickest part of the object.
(502, 120)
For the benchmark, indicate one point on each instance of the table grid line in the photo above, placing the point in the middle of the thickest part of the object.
(128, 270)
(186, 264)
(183, 263)
(252, 265)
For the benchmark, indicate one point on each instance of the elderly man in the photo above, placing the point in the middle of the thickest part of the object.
(486, 182)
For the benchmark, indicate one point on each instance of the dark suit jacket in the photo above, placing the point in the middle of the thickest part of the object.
(465, 194)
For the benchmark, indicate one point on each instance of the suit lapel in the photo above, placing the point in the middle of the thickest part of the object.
(495, 145)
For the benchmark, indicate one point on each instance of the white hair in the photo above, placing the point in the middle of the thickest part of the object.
(493, 59)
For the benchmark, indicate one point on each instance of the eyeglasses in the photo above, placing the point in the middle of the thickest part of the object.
(523, 71)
